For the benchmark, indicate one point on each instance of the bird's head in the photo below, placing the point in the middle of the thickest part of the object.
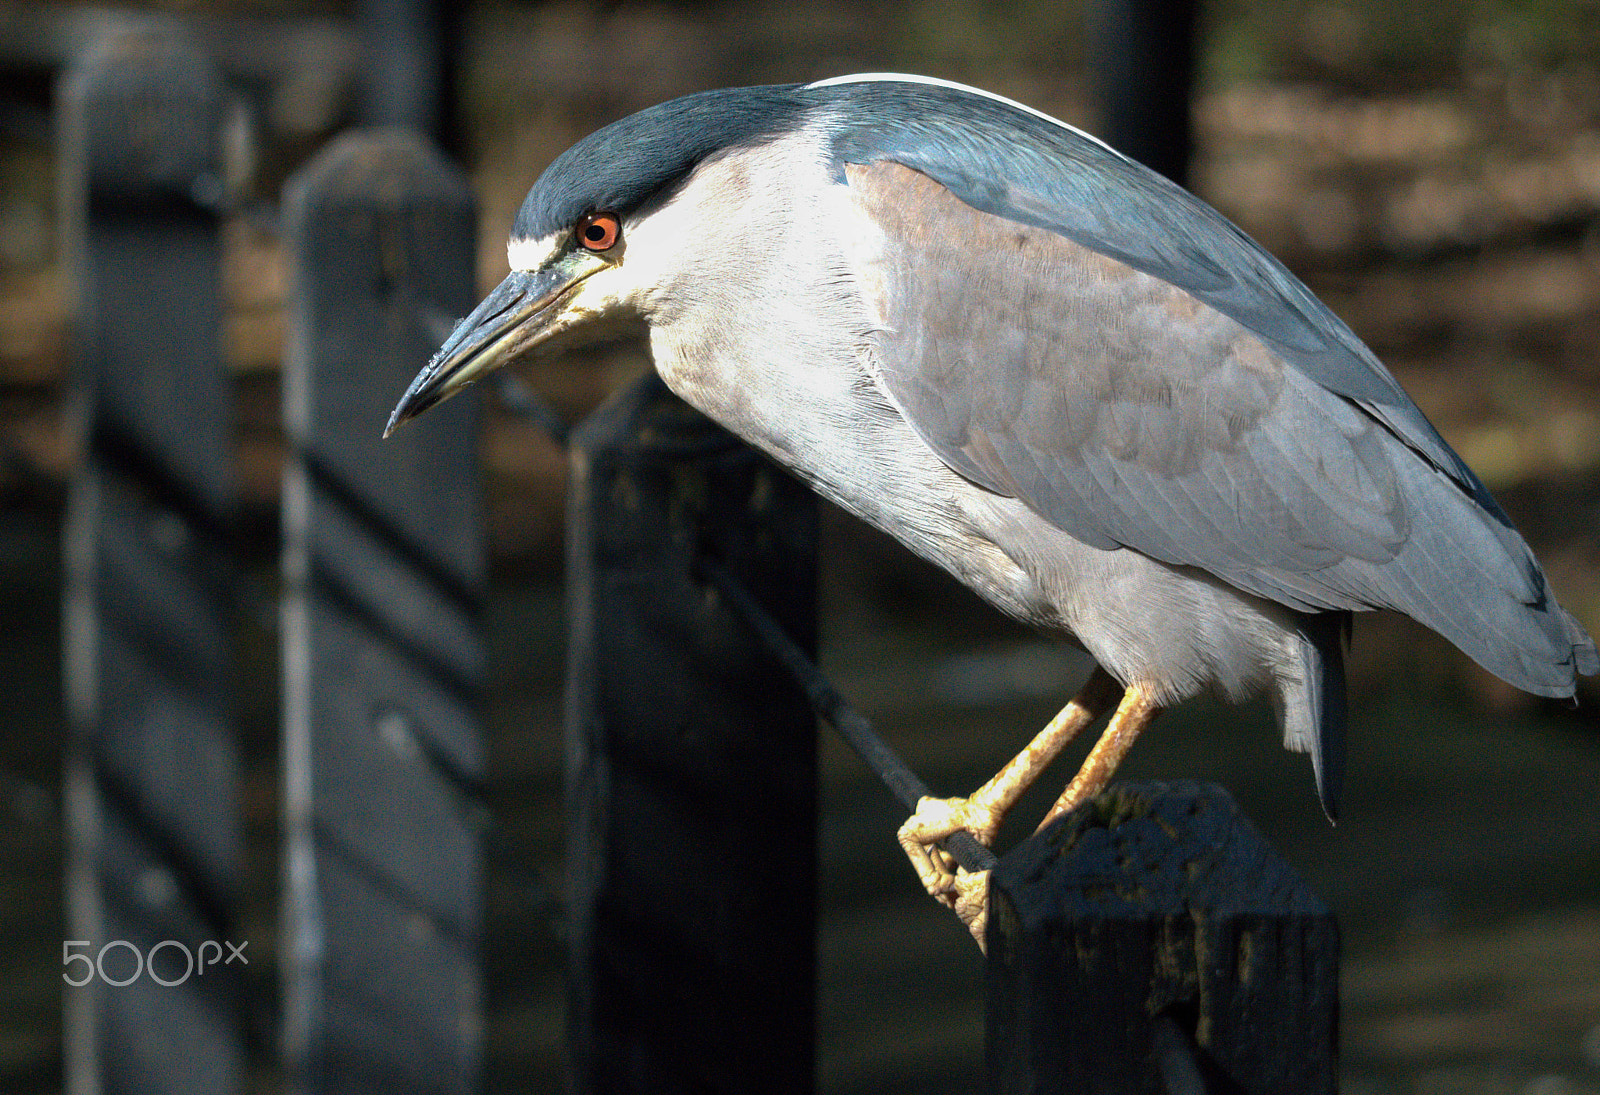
(574, 277)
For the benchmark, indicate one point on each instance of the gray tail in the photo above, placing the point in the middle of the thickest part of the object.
(1466, 573)
(1584, 656)
(1315, 720)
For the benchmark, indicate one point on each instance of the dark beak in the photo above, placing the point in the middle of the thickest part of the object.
(511, 320)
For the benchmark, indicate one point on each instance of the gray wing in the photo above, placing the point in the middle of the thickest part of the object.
(1032, 171)
(1130, 412)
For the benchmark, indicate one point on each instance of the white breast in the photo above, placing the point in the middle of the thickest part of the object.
(757, 321)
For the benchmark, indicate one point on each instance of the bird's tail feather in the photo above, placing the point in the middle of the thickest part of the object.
(1584, 655)
(1467, 574)
(1315, 721)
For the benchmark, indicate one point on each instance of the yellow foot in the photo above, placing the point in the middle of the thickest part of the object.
(935, 819)
(972, 903)
(965, 892)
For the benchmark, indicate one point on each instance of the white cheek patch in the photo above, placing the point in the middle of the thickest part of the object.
(530, 254)
(600, 295)
(600, 308)
(597, 294)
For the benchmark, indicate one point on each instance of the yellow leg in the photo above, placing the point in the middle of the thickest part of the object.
(981, 813)
(1133, 714)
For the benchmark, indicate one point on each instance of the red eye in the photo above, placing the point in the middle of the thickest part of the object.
(599, 231)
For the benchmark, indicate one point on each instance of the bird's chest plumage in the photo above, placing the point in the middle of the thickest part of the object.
(833, 427)
(789, 379)
(775, 346)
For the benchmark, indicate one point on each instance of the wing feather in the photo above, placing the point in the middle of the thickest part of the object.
(1128, 411)
(1033, 171)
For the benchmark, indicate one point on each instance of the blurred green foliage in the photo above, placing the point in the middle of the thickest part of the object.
(1396, 45)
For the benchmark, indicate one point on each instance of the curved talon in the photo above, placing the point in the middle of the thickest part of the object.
(937, 818)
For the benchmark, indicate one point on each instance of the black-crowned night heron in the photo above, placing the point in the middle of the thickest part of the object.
(1062, 378)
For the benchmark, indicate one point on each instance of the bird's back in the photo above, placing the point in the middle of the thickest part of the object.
(1159, 383)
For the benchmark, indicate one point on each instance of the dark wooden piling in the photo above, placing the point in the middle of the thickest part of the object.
(1140, 58)
(383, 657)
(152, 823)
(691, 763)
(1151, 936)
(410, 59)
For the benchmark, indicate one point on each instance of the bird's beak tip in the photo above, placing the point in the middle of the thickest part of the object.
(402, 413)
(422, 395)
(476, 346)
(396, 420)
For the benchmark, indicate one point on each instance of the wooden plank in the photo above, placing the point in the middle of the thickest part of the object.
(152, 822)
(691, 762)
(383, 656)
(1154, 914)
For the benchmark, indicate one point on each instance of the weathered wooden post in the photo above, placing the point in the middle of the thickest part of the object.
(1152, 934)
(383, 657)
(152, 825)
(691, 763)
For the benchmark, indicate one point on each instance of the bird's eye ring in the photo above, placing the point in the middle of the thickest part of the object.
(599, 231)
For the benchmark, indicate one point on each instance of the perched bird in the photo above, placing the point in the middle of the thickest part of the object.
(1059, 376)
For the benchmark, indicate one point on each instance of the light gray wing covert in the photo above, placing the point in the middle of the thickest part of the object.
(1127, 412)
(1113, 403)
(1033, 171)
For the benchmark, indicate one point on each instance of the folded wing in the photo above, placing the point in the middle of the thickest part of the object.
(1132, 411)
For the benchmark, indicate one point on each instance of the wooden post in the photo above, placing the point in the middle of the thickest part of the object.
(410, 60)
(383, 657)
(1149, 918)
(1141, 63)
(152, 824)
(691, 763)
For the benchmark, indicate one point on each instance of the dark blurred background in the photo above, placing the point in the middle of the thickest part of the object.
(1432, 170)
